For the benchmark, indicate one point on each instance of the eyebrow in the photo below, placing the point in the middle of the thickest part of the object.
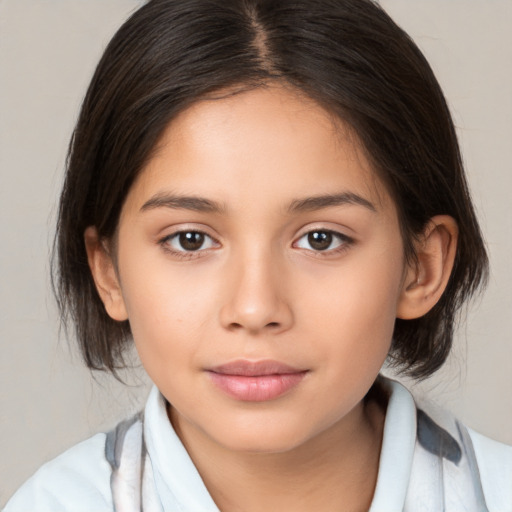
(307, 204)
(194, 203)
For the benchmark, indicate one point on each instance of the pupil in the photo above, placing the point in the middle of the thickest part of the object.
(320, 240)
(191, 241)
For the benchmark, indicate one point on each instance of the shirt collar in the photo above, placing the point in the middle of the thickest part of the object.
(397, 449)
(177, 480)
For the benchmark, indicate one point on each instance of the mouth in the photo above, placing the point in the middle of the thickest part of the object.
(255, 381)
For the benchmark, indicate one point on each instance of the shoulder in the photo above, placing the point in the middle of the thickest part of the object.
(472, 463)
(451, 467)
(495, 466)
(78, 480)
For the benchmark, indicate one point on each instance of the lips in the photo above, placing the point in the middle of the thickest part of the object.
(255, 381)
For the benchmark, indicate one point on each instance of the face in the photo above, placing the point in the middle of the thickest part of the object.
(260, 264)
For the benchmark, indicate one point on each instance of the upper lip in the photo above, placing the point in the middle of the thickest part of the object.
(255, 368)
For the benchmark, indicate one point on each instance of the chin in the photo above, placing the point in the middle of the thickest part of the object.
(262, 445)
(266, 437)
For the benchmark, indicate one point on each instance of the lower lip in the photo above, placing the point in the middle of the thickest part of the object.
(259, 388)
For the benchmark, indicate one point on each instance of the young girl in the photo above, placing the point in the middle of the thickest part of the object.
(267, 199)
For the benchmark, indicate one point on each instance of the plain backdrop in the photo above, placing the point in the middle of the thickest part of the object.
(48, 51)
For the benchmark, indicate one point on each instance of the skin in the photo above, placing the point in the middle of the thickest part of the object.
(257, 289)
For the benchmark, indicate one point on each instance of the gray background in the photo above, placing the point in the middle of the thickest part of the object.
(48, 50)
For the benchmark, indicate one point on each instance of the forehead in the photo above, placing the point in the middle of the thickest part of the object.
(274, 141)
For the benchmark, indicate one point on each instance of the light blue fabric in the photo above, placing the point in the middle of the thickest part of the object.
(429, 462)
(76, 481)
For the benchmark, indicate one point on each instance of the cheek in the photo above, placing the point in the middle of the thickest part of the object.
(356, 303)
(169, 307)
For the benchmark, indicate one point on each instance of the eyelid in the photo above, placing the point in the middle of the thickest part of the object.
(186, 227)
(327, 227)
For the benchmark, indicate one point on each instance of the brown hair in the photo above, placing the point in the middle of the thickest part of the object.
(348, 55)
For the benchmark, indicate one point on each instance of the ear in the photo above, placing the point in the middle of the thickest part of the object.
(426, 279)
(104, 275)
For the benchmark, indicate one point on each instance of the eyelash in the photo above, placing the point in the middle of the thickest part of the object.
(345, 243)
(184, 255)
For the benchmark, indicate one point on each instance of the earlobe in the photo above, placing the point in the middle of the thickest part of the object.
(426, 279)
(104, 275)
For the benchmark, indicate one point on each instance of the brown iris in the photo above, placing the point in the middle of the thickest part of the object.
(191, 240)
(320, 240)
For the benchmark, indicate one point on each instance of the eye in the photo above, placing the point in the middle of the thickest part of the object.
(188, 241)
(323, 240)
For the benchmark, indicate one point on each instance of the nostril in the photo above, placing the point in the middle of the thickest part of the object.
(236, 326)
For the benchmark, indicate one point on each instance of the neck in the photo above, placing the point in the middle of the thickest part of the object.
(336, 470)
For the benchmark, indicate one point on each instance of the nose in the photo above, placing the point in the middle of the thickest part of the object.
(256, 299)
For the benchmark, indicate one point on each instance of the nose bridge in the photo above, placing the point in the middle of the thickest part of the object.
(256, 298)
